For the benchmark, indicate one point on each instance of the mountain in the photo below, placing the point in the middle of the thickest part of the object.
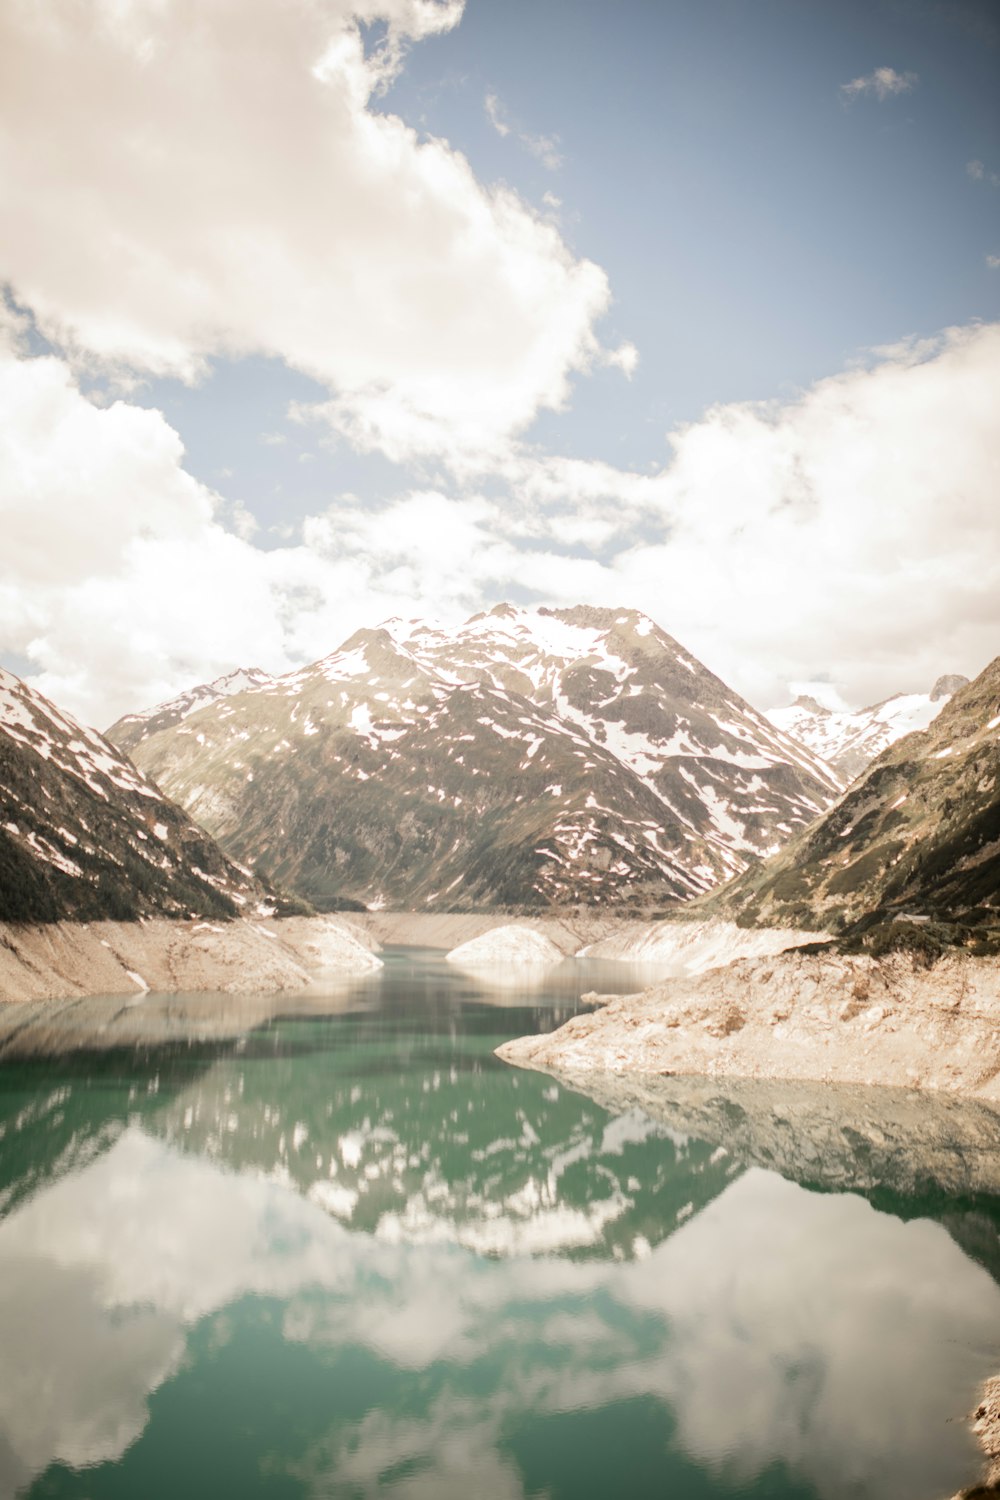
(851, 739)
(135, 727)
(84, 835)
(526, 758)
(918, 835)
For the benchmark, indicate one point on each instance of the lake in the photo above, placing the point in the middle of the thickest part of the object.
(329, 1246)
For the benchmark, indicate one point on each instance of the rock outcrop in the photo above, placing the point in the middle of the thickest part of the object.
(822, 1017)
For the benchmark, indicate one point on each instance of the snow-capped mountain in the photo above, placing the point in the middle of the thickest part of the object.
(527, 757)
(135, 727)
(918, 834)
(850, 739)
(85, 835)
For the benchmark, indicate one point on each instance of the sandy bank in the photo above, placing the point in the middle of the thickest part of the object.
(66, 959)
(822, 1017)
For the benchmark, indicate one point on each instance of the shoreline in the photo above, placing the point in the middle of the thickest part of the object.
(76, 960)
(811, 1017)
(71, 960)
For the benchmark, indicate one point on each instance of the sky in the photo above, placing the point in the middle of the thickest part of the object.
(327, 311)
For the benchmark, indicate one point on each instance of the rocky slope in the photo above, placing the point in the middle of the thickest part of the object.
(823, 1017)
(133, 728)
(84, 835)
(850, 740)
(528, 758)
(918, 835)
(56, 961)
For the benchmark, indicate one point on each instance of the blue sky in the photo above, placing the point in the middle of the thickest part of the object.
(759, 231)
(715, 253)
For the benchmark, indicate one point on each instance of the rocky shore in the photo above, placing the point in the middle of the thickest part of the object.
(59, 960)
(819, 1016)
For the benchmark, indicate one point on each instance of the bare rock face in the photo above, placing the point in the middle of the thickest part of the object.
(133, 728)
(525, 760)
(84, 835)
(948, 686)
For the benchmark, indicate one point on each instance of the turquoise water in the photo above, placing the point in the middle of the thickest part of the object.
(352, 1254)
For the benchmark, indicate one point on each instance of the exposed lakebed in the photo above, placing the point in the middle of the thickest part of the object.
(333, 1247)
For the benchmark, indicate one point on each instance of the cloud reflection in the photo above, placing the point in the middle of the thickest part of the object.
(779, 1326)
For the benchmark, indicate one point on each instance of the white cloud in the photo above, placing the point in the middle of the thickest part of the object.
(494, 114)
(624, 358)
(977, 171)
(882, 82)
(81, 482)
(850, 536)
(182, 181)
(993, 261)
(544, 147)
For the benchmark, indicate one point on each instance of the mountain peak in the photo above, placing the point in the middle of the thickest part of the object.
(849, 739)
(530, 755)
(811, 704)
(948, 686)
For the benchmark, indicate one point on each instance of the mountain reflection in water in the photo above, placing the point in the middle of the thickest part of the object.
(352, 1254)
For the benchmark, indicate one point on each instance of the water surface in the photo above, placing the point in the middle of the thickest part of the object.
(330, 1246)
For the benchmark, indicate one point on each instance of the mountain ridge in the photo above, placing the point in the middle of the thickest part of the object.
(850, 739)
(85, 835)
(416, 764)
(916, 839)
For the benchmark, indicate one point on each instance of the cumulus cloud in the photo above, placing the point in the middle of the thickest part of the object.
(882, 82)
(849, 536)
(624, 358)
(183, 181)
